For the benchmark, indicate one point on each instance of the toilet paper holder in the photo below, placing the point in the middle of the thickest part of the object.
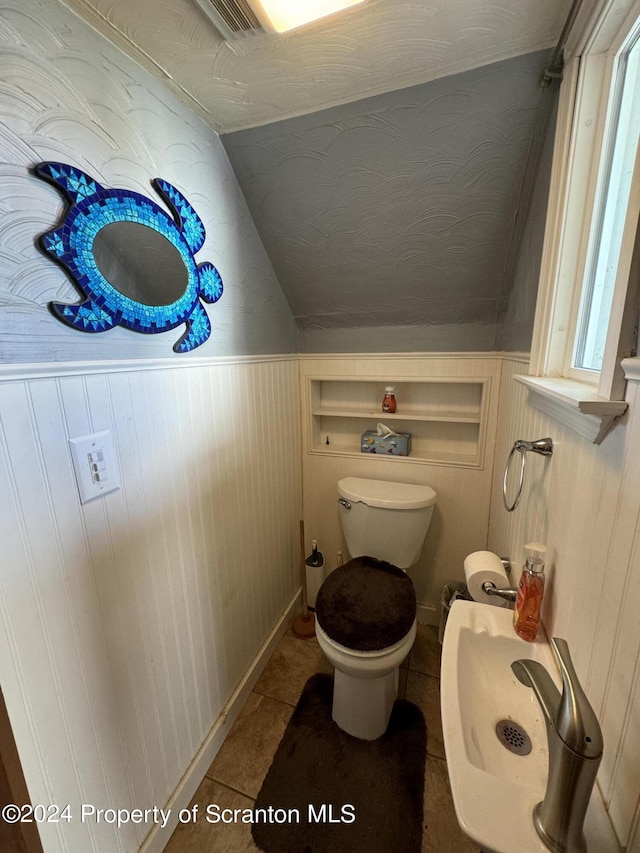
(507, 593)
(543, 446)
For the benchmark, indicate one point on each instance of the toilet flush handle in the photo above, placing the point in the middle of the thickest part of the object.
(344, 503)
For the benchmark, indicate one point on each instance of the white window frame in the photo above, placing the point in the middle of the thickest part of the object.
(596, 77)
(602, 27)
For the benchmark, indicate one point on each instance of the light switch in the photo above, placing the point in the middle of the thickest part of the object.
(95, 465)
(98, 466)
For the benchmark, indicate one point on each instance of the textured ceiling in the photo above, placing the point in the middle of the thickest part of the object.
(400, 209)
(384, 153)
(378, 47)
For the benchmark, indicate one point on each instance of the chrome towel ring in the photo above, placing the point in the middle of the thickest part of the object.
(543, 446)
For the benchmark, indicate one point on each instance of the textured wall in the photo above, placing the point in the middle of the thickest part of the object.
(68, 95)
(399, 210)
(517, 327)
(437, 337)
(584, 503)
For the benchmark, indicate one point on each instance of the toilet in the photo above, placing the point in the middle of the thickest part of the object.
(366, 609)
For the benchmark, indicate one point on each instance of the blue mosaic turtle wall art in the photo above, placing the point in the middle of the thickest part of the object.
(97, 221)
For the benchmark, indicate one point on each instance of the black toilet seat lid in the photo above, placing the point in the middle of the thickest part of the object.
(366, 605)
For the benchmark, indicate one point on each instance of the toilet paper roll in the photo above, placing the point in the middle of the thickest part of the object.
(482, 566)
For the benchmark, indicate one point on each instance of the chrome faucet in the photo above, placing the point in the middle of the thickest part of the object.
(575, 751)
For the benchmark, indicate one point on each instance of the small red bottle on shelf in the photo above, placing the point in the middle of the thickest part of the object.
(389, 400)
(526, 614)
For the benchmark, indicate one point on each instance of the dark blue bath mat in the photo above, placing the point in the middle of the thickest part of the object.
(327, 791)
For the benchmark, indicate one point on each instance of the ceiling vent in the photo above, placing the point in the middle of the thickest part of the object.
(232, 18)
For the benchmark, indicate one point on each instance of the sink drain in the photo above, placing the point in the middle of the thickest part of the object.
(513, 737)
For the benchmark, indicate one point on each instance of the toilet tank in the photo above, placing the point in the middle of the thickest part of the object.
(385, 520)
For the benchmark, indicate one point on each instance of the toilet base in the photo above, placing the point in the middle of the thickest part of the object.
(362, 706)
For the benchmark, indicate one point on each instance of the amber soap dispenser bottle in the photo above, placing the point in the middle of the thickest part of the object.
(526, 614)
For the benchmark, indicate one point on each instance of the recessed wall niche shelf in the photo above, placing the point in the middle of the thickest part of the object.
(446, 416)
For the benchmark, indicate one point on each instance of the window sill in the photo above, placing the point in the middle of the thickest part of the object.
(575, 404)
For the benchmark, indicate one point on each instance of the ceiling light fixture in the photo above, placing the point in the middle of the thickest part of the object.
(282, 15)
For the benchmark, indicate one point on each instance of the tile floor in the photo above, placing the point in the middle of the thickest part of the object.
(235, 777)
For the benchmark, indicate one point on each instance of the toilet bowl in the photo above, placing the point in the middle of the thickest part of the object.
(365, 684)
(366, 609)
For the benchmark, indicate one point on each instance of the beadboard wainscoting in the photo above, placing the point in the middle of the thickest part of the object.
(584, 503)
(127, 623)
(461, 515)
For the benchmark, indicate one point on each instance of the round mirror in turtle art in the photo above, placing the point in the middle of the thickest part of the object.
(133, 263)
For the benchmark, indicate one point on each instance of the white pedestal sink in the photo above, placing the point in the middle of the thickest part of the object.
(494, 789)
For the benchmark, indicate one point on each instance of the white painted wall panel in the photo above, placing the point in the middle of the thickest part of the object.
(585, 504)
(461, 516)
(128, 622)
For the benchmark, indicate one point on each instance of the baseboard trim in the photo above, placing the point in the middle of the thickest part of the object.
(158, 838)
(428, 614)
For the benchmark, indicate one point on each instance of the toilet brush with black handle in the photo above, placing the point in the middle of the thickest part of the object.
(304, 624)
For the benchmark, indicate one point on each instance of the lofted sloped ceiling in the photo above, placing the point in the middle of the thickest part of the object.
(387, 155)
(379, 46)
(400, 209)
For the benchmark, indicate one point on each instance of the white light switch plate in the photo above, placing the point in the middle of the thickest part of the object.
(95, 465)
